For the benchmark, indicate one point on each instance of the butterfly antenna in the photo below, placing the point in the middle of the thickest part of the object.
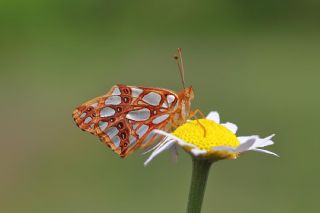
(179, 60)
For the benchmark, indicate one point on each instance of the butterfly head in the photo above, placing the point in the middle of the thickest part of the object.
(84, 116)
(188, 94)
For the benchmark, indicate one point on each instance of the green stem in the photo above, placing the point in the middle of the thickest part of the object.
(200, 173)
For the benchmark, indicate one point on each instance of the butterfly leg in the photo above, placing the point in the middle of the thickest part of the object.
(195, 112)
(174, 125)
(194, 115)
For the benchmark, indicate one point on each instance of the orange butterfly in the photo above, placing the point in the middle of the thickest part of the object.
(125, 117)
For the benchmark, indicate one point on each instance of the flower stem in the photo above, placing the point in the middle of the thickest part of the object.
(199, 178)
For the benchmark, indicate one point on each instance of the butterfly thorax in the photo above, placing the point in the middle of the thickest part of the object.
(184, 109)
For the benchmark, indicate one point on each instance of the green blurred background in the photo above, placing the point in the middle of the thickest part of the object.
(256, 62)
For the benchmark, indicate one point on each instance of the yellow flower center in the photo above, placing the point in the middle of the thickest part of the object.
(214, 135)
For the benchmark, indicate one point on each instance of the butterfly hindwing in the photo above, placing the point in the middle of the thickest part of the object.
(125, 117)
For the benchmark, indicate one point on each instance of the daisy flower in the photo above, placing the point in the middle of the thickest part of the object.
(209, 139)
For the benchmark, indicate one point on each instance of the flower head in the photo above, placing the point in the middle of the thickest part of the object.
(208, 138)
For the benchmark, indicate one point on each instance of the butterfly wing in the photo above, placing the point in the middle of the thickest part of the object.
(125, 117)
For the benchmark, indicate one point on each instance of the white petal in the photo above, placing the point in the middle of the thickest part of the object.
(264, 141)
(160, 149)
(155, 147)
(224, 149)
(265, 151)
(197, 152)
(231, 126)
(243, 139)
(214, 116)
(246, 145)
(179, 141)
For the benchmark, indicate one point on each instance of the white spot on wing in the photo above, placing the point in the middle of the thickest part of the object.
(170, 99)
(106, 112)
(148, 138)
(103, 125)
(116, 91)
(132, 140)
(87, 120)
(164, 105)
(111, 132)
(139, 115)
(142, 130)
(113, 100)
(159, 119)
(136, 92)
(134, 126)
(152, 98)
(116, 141)
(83, 115)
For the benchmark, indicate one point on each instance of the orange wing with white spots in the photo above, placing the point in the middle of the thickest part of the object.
(125, 117)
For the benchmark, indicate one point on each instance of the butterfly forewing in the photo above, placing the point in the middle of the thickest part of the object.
(125, 117)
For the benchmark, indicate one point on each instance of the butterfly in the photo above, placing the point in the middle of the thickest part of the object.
(125, 117)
